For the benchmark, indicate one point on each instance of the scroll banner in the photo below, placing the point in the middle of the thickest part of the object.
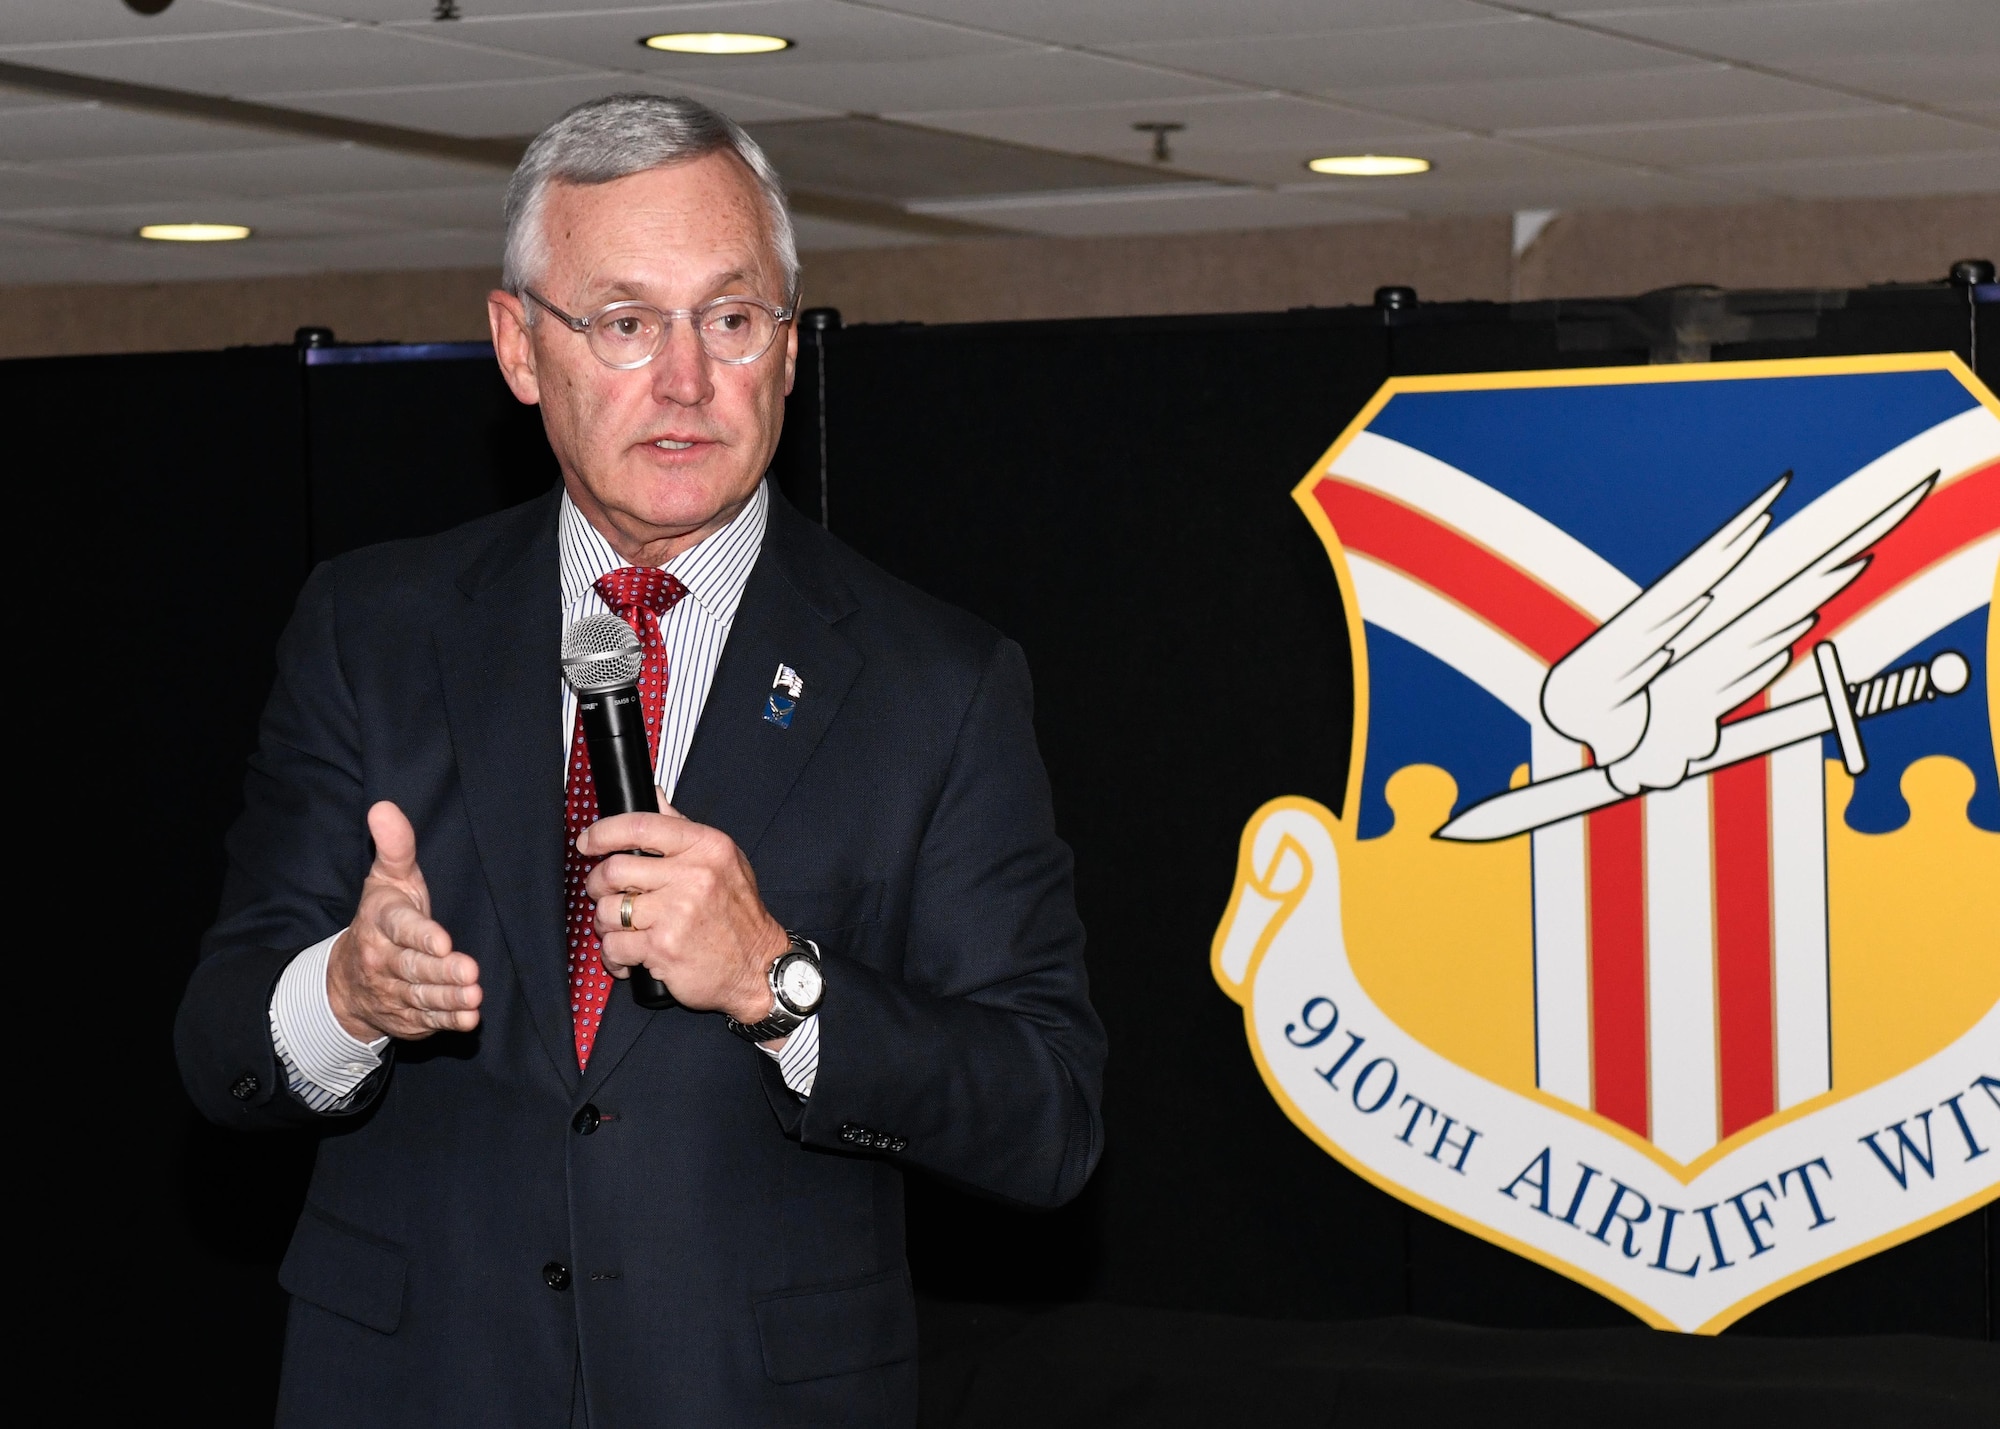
(1658, 939)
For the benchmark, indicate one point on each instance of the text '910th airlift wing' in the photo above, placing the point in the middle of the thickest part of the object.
(1658, 936)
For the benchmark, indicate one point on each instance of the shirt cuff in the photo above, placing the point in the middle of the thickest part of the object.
(798, 1059)
(324, 1066)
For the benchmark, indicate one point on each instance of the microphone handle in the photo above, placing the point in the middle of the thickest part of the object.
(621, 766)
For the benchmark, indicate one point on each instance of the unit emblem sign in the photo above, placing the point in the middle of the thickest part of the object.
(1658, 939)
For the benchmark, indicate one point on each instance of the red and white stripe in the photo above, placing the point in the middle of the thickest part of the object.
(1680, 939)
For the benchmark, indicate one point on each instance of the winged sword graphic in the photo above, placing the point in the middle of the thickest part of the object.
(1648, 690)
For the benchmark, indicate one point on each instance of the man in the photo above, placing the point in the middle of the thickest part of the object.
(536, 1202)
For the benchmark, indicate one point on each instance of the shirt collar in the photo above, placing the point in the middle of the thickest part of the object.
(715, 569)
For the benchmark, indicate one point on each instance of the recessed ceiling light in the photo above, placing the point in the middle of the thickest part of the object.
(1368, 166)
(195, 232)
(716, 42)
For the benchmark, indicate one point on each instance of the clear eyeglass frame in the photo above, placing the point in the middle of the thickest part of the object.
(616, 343)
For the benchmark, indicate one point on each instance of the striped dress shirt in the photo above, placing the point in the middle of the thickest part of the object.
(323, 1064)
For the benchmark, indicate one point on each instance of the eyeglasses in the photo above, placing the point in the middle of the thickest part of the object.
(625, 335)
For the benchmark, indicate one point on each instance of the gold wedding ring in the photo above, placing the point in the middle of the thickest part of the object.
(625, 912)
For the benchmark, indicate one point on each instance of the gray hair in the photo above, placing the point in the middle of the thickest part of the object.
(614, 138)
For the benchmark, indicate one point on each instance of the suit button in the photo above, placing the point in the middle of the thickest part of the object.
(245, 1087)
(556, 1275)
(871, 1140)
(585, 1121)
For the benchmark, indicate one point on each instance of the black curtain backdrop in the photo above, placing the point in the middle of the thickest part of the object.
(1113, 494)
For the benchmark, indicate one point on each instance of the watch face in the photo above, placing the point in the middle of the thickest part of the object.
(799, 982)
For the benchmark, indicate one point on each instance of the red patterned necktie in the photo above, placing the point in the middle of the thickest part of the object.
(640, 595)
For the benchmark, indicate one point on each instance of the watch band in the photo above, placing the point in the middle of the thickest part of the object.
(782, 1021)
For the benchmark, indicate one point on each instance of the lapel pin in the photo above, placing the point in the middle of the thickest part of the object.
(786, 689)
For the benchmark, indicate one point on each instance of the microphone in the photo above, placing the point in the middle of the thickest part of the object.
(601, 658)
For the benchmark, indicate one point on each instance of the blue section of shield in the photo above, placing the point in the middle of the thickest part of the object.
(1957, 726)
(1421, 711)
(1642, 472)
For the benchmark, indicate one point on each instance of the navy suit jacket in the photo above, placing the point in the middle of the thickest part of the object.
(734, 1255)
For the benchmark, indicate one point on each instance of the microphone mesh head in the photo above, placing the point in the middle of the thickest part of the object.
(600, 652)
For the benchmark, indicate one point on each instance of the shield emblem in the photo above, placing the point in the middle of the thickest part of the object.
(1659, 937)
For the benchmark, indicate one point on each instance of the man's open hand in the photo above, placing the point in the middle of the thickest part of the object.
(393, 972)
(698, 924)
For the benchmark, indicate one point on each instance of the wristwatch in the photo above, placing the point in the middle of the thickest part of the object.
(797, 986)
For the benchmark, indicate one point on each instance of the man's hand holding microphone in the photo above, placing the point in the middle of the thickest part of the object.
(689, 914)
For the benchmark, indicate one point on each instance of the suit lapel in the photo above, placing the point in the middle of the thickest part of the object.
(498, 659)
(740, 767)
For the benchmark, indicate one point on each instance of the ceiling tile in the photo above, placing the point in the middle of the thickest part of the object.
(1702, 91)
(1459, 159)
(1111, 22)
(1916, 79)
(1252, 138)
(1490, 175)
(269, 219)
(263, 63)
(50, 258)
(821, 234)
(1601, 9)
(473, 208)
(1822, 136)
(871, 158)
(416, 13)
(825, 32)
(12, 234)
(1967, 173)
(94, 131)
(516, 107)
(13, 99)
(1589, 8)
(1785, 34)
(28, 186)
(363, 253)
(1630, 189)
(1098, 197)
(1194, 210)
(1020, 76)
(1501, 48)
(304, 170)
(37, 22)
(131, 261)
(15, 237)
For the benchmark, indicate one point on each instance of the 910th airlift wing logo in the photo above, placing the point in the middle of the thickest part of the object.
(1658, 937)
